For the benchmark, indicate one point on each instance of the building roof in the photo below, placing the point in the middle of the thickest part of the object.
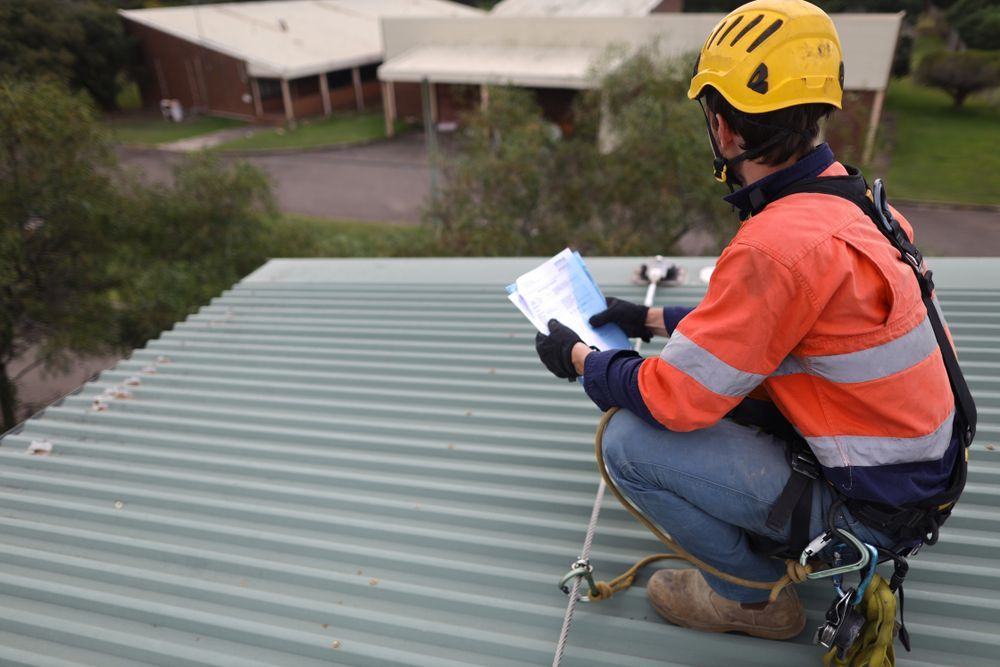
(291, 38)
(561, 51)
(361, 462)
(574, 7)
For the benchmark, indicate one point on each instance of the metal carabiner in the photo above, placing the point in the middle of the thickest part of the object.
(822, 542)
(580, 568)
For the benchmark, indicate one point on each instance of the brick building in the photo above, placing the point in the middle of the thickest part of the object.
(270, 61)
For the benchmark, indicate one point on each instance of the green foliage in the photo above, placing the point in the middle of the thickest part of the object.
(57, 226)
(977, 22)
(80, 42)
(518, 188)
(902, 57)
(305, 236)
(181, 245)
(960, 73)
(91, 263)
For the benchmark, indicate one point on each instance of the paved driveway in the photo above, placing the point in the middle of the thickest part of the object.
(389, 180)
(384, 181)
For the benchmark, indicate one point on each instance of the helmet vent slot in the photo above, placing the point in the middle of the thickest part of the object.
(758, 80)
(770, 30)
(747, 28)
(717, 31)
(729, 29)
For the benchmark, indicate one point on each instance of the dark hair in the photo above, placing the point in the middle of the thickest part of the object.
(799, 125)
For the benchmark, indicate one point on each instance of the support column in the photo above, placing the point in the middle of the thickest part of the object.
(324, 90)
(286, 98)
(430, 135)
(359, 91)
(873, 121)
(433, 95)
(484, 97)
(389, 107)
(258, 107)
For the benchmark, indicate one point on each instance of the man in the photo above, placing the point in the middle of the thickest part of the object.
(810, 305)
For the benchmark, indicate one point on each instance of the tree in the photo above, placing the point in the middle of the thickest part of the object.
(80, 42)
(518, 187)
(977, 22)
(182, 244)
(91, 263)
(960, 73)
(56, 229)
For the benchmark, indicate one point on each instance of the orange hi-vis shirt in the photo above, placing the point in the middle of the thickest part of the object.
(812, 304)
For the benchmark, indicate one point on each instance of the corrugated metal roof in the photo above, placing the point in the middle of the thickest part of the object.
(291, 38)
(499, 49)
(362, 463)
(574, 7)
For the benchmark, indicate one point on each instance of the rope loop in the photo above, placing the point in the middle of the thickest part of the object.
(795, 572)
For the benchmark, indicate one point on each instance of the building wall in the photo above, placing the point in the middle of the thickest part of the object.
(408, 101)
(669, 6)
(200, 78)
(453, 100)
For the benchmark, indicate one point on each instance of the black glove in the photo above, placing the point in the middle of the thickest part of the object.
(631, 317)
(556, 349)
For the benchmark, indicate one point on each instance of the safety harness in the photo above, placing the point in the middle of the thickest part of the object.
(915, 524)
(860, 624)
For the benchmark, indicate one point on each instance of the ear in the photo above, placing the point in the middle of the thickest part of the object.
(729, 141)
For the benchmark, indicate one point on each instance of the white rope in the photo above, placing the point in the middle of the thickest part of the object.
(574, 591)
(655, 275)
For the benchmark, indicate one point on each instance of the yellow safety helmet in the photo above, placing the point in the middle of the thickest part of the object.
(772, 54)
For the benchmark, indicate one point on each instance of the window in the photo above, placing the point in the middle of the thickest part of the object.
(369, 72)
(269, 88)
(339, 79)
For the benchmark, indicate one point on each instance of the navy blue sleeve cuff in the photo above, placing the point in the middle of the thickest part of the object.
(611, 378)
(672, 316)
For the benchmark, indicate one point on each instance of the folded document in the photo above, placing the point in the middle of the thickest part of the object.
(563, 289)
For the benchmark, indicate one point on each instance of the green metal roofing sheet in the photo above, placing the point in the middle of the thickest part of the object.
(362, 463)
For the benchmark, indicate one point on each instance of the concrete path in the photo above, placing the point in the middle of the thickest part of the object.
(390, 180)
(210, 140)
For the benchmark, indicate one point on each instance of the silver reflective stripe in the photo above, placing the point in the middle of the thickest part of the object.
(716, 375)
(874, 363)
(838, 451)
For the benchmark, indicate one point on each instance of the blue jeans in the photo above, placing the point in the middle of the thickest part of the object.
(708, 488)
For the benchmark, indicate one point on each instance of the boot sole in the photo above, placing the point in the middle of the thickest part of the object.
(754, 631)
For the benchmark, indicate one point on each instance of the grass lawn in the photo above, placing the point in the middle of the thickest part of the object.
(306, 236)
(337, 129)
(941, 153)
(151, 130)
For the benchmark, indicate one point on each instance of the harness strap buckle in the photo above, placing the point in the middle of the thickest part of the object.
(805, 463)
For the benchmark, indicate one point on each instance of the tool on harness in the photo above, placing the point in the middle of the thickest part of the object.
(843, 625)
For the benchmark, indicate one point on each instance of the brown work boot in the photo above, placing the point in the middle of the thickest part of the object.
(684, 598)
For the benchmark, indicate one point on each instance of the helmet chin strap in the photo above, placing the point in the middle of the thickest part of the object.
(725, 168)
(722, 167)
